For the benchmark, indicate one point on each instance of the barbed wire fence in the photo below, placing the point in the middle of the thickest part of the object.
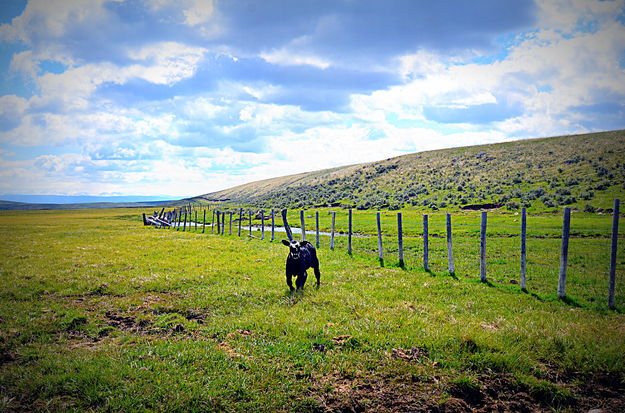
(522, 250)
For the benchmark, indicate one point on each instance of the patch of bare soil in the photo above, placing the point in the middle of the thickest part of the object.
(357, 394)
(126, 323)
(495, 393)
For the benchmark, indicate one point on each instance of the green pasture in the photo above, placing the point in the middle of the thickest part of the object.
(98, 312)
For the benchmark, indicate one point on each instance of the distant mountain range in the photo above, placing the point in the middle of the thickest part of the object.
(17, 202)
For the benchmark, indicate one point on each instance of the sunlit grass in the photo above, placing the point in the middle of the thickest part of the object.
(99, 312)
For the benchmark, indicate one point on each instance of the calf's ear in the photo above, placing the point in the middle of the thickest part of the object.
(287, 243)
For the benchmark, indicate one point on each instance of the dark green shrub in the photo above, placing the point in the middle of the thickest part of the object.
(512, 205)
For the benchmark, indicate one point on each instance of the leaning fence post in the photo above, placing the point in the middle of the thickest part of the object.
(450, 254)
(287, 228)
(332, 231)
(564, 254)
(380, 249)
(523, 248)
(185, 222)
(273, 224)
(317, 228)
(483, 246)
(303, 224)
(400, 241)
(612, 286)
(426, 244)
(349, 232)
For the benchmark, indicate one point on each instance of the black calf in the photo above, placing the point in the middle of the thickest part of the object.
(302, 256)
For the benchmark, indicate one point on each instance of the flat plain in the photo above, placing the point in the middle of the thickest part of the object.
(98, 312)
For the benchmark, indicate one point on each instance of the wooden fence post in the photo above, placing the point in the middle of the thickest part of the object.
(185, 222)
(380, 249)
(273, 224)
(223, 223)
(564, 254)
(262, 224)
(303, 224)
(426, 244)
(240, 220)
(145, 221)
(204, 221)
(612, 285)
(250, 219)
(287, 228)
(332, 231)
(523, 248)
(483, 246)
(219, 222)
(317, 229)
(349, 233)
(450, 254)
(213, 222)
(230, 226)
(400, 241)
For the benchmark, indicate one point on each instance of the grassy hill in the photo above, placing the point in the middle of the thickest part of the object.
(582, 171)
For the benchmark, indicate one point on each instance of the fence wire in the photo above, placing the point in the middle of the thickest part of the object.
(589, 245)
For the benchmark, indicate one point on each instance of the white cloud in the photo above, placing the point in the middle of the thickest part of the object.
(201, 108)
(198, 12)
(167, 62)
(23, 62)
(287, 57)
(12, 106)
(50, 17)
(547, 74)
(567, 15)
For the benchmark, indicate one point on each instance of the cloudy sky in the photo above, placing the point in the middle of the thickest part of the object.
(184, 97)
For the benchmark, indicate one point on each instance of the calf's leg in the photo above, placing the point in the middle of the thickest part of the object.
(317, 275)
(289, 282)
(301, 280)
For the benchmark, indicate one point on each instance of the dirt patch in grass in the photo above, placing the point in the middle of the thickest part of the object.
(126, 323)
(358, 394)
(489, 393)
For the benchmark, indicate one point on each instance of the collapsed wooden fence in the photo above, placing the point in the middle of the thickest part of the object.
(186, 219)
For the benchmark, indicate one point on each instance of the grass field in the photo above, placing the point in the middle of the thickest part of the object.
(100, 313)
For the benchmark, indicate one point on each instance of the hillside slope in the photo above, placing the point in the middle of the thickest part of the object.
(583, 171)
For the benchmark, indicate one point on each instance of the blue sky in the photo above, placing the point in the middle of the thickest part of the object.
(180, 98)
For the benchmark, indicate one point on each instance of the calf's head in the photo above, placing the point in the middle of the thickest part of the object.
(294, 247)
